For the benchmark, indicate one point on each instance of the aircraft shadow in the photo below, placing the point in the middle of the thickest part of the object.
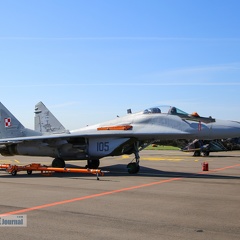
(120, 170)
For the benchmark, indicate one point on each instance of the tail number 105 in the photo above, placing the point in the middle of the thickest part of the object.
(102, 146)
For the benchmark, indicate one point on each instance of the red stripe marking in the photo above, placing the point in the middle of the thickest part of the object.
(107, 193)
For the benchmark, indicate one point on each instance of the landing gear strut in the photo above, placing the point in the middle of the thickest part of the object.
(133, 167)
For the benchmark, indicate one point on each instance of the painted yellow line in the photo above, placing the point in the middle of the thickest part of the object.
(6, 161)
(9, 161)
(157, 158)
(161, 159)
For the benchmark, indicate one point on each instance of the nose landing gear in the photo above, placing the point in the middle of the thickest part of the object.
(133, 167)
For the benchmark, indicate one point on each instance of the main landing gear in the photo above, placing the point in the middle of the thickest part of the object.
(198, 153)
(58, 163)
(93, 164)
(133, 167)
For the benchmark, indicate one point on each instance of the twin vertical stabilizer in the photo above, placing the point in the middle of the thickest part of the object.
(10, 127)
(46, 122)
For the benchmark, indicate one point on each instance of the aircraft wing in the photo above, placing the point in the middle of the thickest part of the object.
(144, 134)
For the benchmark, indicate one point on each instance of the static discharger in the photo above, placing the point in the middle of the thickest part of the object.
(13, 169)
(122, 127)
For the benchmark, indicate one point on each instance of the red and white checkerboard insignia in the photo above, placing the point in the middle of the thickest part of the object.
(7, 122)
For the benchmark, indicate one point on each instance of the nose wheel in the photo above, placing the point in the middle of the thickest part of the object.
(133, 167)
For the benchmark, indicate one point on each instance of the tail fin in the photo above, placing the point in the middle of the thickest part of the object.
(46, 122)
(10, 127)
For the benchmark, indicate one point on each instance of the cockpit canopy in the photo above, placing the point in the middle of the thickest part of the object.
(176, 111)
(165, 109)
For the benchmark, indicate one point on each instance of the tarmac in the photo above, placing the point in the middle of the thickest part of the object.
(170, 198)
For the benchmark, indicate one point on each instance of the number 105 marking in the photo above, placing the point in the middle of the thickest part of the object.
(102, 146)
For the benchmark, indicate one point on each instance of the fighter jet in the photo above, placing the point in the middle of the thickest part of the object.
(204, 147)
(124, 135)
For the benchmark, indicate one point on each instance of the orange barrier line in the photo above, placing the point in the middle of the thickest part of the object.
(108, 193)
(87, 197)
(224, 168)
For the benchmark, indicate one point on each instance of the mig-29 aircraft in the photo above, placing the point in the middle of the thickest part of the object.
(204, 147)
(123, 135)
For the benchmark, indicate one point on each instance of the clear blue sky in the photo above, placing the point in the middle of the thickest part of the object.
(89, 61)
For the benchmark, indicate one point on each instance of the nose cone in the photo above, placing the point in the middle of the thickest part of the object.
(225, 129)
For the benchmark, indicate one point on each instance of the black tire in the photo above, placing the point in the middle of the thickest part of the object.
(29, 172)
(93, 164)
(133, 168)
(14, 173)
(206, 154)
(58, 163)
(197, 154)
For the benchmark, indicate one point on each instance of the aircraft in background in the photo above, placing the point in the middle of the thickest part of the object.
(204, 147)
(124, 135)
